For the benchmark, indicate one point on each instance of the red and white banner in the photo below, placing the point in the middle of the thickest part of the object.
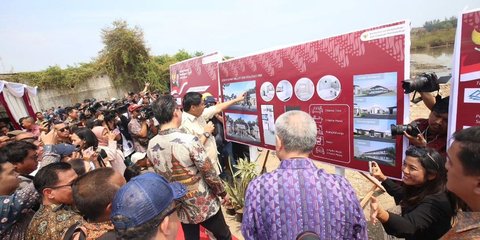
(350, 84)
(199, 74)
(465, 88)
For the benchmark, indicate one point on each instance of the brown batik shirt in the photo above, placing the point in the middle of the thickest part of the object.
(181, 157)
(51, 222)
(467, 227)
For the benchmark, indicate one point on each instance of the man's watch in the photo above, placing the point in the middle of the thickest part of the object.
(207, 134)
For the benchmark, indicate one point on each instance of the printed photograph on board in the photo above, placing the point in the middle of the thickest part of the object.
(267, 91)
(284, 90)
(242, 127)
(268, 123)
(232, 90)
(380, 152)
(304, 89)
(329, 87)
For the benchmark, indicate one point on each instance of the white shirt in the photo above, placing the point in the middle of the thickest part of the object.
(195, 126)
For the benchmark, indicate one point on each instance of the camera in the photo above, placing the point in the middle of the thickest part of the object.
(425, 82)
(146, 113)
(412, 129)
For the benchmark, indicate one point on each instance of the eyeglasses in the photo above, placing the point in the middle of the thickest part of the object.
(63, 129)
(61, 186)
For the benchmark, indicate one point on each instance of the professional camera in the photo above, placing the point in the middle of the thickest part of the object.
(412, 129)
(146, 113)
(425, 82)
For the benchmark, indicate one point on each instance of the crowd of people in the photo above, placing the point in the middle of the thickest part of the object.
(143, 166)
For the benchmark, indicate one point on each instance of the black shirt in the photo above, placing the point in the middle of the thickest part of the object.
(429, 219)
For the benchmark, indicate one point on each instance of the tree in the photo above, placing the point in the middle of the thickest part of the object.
(125, 57)
(164, 61)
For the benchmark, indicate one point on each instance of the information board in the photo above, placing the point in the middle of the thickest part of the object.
(350, 84)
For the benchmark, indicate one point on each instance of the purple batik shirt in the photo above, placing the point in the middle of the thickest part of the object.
(299, 197)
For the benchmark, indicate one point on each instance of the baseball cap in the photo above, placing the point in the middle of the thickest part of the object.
(133, 107)
(137, 156)
(142, 199)
(209, 100)
(64, 149)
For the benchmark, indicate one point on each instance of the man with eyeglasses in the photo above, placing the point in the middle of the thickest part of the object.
(63, 132)
(54, 184)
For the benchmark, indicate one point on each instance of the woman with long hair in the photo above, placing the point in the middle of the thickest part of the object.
(87, 143)
(426, 208)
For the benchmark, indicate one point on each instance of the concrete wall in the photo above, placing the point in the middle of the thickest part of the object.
(100, 88)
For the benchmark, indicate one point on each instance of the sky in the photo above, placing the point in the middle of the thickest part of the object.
(38, 34)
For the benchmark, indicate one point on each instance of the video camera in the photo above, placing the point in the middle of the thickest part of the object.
(412, 129)
(146, 113)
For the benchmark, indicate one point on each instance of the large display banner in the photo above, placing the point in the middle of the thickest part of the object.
(350, 84)
(465, 89)
(199, 74)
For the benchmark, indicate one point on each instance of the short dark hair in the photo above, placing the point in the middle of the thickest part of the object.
(17, 151)
(441, 105)
(191, 99)
(469, 154)
(68, 110)
(3, 160)
(88, 136)
(132, 171)
(48, 175)
(78, 166)
(163, 109)
(92, 192)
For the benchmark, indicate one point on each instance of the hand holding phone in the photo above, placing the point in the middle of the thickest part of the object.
(376, 172)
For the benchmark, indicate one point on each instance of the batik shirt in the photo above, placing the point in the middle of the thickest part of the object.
(180, 157)
(467, 227)
(51, 222)
(96, 230)
(134, 127)
(299, 197)
(15, 212)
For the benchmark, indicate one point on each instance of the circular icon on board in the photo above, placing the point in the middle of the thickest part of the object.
(304, 89)
(267, 91)
(329, 87)
(284, 90)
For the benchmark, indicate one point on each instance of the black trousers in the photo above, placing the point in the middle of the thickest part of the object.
(215, 224)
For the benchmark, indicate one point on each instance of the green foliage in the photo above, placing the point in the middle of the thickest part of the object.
(436, 33)
(125, 57)
(164, 61)
(246, 172)
(55, 77)
(438, 25)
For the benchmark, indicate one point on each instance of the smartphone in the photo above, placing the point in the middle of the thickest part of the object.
(371, 164)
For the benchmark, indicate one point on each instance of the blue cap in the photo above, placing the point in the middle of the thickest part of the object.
(142, 199)
(64, 149)
(209, 100)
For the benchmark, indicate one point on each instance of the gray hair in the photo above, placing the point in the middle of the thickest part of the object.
(297, 130)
